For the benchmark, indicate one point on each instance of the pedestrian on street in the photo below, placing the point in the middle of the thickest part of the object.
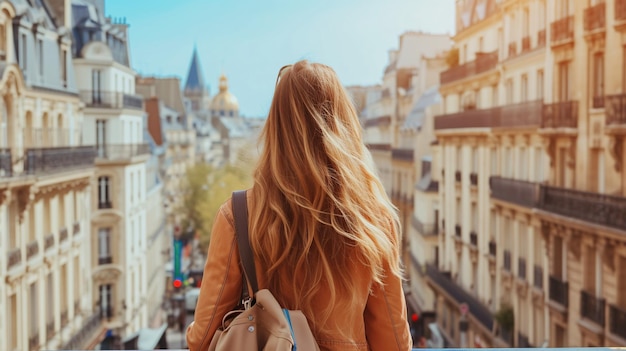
(323, 232)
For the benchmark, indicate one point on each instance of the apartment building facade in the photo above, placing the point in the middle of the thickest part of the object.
(45, 185)
(532, 191)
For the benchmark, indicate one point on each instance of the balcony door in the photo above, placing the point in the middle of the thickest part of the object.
(104, 246)
(101, 128)
(564, 73)
(106, 307)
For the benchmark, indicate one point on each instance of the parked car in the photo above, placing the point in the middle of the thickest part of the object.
(191, 299)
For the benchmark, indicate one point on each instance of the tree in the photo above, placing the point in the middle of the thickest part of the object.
(207, 188)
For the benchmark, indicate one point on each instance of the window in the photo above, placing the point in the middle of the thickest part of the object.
(494, 96)
(23, 57)
(508, 167)
(589, 269)
(49, 300)
(509, 91)
(523, 164)
(106, 308)
(40, 58)
(598, 80)
(104, 246)
(526, 23)
(540, 84)
(474, 160)
(63, 293)
(564, 79)
(459, 161)
(33, 318)
(474, 217)
(481, 44)
(494, 161)
(557, 258)
(104, 200)
(12, 321)
(621, 282)
(64, 67)
(524, 92)
(96, 95)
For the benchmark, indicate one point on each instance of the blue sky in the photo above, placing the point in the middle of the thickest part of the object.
(249, 40)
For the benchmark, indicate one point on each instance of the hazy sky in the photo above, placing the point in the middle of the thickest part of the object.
(249, 40)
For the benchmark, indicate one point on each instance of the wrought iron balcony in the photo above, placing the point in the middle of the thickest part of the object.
(521, 268)
(377, 121)
(541, 38)
(14, 257)
(617, 321)
(517, 192)
(597, 102)
(473, 239)
(86, 333)
(595, 17)
(538, 277)
(560, 115)
(562, 30)
(493, 248)
(615, 109)
(473, 178)
(596, 208)
(105, 205)
(402, 154)
(507, 260)
(424, 229)
(111, 99)
(443, 282)
(63, 235)
(526, 114)
(526, 43)
(32, 248)
(620, 10)
(48, 241)
(559, 291)
(592, 308)
(44, 160)
(6, 163)
(483, 63)
(116, 152)
(105, 260)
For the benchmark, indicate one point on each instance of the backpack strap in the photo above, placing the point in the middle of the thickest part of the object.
(240, 214)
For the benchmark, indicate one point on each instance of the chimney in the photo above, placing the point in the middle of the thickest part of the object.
(62, 10)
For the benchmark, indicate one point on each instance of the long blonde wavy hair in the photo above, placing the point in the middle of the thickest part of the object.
(322, 211)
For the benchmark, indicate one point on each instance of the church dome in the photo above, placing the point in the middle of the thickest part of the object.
(224, 104)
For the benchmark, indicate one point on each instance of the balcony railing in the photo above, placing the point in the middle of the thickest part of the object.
(517, 192)
(592, 308)
(473, 178)
(424, 229)
(596, 208)
(526, 114)
(538, 277)
(507, 260)
(87, 331)
(48, 241)
(559, 291)
(63, 235)
(457, 231)
(14, 257)
(615, 109)
(617, 321)
(476, 308)
(560, 115)
(562, 30)
(526, 43)
(121, 151)
(402, 154)
(595, 17)
(473, 239)
(32, 248)
(483, 63)
(541, 38)
(111, 99)
(105, 260)
(33, 342)
(106, 312)
(6, 163)
(105, 205)
(597, 102)
(40, 161)
(493, 248)
(521, 268)
(620, 10)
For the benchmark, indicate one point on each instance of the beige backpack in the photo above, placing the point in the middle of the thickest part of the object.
(259, 323)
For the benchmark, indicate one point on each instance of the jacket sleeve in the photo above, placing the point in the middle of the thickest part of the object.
(385, 317)
(221, 283)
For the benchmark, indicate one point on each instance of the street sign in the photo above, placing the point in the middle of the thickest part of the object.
(464, 308)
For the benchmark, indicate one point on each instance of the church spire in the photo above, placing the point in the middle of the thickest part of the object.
(195, 78)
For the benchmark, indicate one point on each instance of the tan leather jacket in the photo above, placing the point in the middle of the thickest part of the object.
(377, 322)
